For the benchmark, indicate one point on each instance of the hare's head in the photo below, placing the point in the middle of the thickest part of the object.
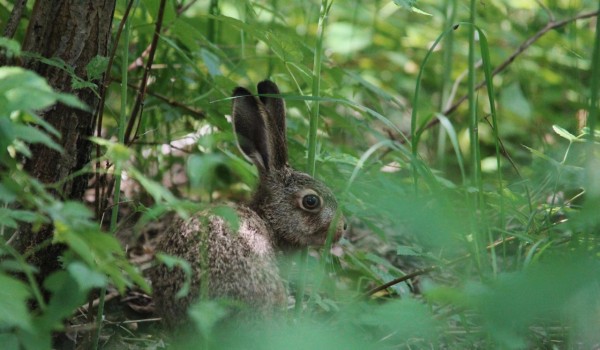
(297, 208)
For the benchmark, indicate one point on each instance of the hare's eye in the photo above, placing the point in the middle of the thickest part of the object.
(311, 202)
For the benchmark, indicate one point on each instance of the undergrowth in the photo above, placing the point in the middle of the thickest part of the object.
(473, 224)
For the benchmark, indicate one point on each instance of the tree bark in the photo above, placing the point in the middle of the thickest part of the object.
(74, 31)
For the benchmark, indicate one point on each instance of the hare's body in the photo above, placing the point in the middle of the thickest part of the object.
(289, 210)
(236, 265)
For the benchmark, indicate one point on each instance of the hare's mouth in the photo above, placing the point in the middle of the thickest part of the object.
(321, 237)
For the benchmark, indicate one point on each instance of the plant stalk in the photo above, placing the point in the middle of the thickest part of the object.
(312, 134)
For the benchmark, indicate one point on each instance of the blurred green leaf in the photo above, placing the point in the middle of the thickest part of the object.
(406, 250)
(512, 98)
(17, 85)
(32, 135)
(14, 296)
(229, 214)
(206, 315)
(201, 169)
(85, 277)
(410, 4)
(12, 47)
(212, 62)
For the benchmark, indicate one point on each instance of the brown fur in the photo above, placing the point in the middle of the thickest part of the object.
(242, 265)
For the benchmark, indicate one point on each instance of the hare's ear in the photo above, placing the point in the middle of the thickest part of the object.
(275, 108)
(250, 126)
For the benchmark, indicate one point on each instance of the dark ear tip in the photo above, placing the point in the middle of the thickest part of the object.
(268, 87)
(240, 91)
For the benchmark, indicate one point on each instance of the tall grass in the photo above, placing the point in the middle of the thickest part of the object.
(312, 134)
(118, 165)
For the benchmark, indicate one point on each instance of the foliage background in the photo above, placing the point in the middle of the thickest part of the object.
(508, 254)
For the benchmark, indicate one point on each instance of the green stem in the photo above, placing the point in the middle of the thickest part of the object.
(118, 169)
(316, 89)
(312, 134)
(474, 134)
(450, 12)
(595, 87)
(592, 162)
(212, 23)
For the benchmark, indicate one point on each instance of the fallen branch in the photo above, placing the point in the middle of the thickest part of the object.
(430, 269)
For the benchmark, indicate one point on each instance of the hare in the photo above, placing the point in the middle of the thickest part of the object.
(289, 210)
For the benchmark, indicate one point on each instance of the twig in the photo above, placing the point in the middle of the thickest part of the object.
(100, 112)
(142, 89)
(431, 268)
(504, 151)
(98, 116)
(181, 9)
(198, 113)
(546, 9)
(96, 301)
(401, 279)
(15, 17)
(524, 46)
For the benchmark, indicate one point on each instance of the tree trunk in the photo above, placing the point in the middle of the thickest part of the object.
(74, 31)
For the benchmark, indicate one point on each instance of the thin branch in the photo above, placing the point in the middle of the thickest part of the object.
(431, 268)
(100, 112)
(197, 113)
(15, 17)
(524, 46)
(142, 89)
(181, 9)
(401, 279)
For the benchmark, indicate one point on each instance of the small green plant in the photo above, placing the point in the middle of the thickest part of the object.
(92, 259)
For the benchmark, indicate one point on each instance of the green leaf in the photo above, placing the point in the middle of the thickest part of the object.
(564, 133)
(31, 134)
(343, 38)
(96, 67)
(406, 250)
(513, 99)
(212, 62)
(27, 216)
(287, 49)
(187, 34)
(229, 214)
(12, 47)
(6, 218)
(9, 341)
(541, 155)
(72, 101)
(415, 318)
(410, 4)
(201, 169)
(17, 85)
(155, 189)
(85, 277)
(66, 297)
(77, 84)
(207, 314)
(14, 312)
